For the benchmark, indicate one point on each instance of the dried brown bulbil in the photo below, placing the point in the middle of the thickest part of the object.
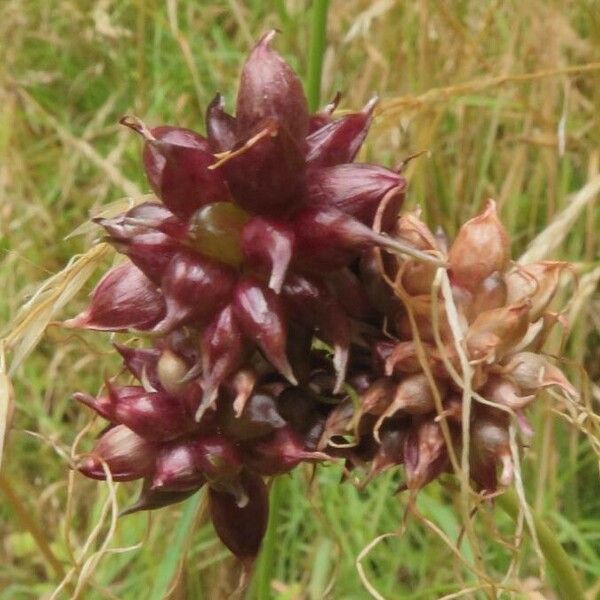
(504, 313)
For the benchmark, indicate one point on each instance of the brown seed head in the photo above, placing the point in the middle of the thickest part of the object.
(480, 248)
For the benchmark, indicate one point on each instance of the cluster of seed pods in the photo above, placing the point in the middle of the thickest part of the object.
(260, 282)
(503, 317)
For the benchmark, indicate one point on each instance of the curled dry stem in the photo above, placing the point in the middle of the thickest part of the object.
(461, 469)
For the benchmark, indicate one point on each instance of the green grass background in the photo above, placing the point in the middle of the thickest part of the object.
(70, 68)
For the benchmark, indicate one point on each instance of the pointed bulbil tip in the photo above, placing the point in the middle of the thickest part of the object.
(266, 39)
(81, 321)
(89, 466)
(491, 209)
(136, 124)
(84, 398)
(340, 361)
(554, 376)
(171, 321)
(276, 280)
(193, 373)
(369, 107)
(285, 369)
(218, 102)
(331, 106)
(208, 399)
(220, 125)
(269, 87)
(158, 483)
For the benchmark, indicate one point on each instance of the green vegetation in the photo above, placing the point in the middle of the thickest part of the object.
(502, 95)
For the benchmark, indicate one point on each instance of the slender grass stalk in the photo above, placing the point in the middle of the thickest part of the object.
(318, 36)
(265, 569)
(175, 551)
(566, 578)
(24, 516)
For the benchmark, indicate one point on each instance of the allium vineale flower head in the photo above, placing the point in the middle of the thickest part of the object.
(263, 288)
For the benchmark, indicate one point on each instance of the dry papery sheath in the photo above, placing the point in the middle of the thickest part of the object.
(261, 286)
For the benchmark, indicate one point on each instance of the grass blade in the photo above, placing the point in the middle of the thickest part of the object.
(318, 39)
(176, 550)
(565, 576)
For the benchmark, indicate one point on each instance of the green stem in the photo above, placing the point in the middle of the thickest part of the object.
(177, 547)
(318, 37)
(565, 576)
(24, 515)
(265, 569)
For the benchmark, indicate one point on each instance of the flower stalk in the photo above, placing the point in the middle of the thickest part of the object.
(567, 580)
(318, 38)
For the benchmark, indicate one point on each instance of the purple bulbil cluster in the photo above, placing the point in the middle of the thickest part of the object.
(262, 285)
